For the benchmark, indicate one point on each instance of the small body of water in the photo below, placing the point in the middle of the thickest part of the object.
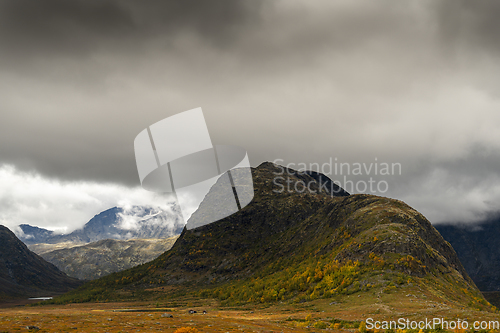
(40, 298)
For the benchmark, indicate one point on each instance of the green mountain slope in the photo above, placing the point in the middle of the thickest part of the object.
(298, 246)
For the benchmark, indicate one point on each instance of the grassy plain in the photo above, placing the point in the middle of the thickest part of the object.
(321, 315)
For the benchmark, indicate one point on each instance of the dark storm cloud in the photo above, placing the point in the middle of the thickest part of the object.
(413, 82)
(77, 28)
(55, 26)
(53, 43)
(465, 24)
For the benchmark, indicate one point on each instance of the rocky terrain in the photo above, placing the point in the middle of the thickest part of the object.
(94, 260)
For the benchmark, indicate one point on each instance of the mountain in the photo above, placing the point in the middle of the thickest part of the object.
(115, 223)
(23, 273)
(114, 240)
(296, 246)
(31, 234)
(210, 210)
(477, 247)
(94, 260)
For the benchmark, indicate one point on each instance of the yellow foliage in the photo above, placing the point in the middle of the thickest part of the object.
(186, 330)
(336, 326)
(302, 323)
(320, 325)
(376, 259)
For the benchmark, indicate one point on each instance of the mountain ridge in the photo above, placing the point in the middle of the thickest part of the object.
(292, 246)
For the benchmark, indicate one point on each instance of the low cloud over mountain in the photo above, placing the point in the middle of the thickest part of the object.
(64, 206)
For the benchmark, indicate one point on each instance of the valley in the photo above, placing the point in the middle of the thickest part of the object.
(313, 316)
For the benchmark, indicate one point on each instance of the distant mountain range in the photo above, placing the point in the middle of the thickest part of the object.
(94, 260)
(295, 247)
(115, 223)
(25, 274)
(113, 240)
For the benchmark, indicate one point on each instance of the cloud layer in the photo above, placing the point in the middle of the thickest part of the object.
(63, 206)
(413, 82)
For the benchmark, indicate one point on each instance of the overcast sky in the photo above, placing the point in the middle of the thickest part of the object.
(412, 82)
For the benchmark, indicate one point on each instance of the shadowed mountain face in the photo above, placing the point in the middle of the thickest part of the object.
(214, 204)
(23, 273)
(292, 245)
(478, 250)
(31, 234)
(114, 223)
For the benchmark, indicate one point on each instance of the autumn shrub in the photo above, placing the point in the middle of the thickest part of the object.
(320, 325)
(186, 330)
(362, 327)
